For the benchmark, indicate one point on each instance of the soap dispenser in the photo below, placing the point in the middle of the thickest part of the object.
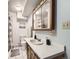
(48, 42)
(35, 37)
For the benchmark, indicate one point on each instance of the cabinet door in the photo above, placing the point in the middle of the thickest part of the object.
(59, 57)
(28, 52)
(32, 54)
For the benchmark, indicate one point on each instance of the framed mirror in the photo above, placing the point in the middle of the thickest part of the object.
(43, 16)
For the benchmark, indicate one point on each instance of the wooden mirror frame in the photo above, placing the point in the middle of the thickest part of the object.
(52, 17)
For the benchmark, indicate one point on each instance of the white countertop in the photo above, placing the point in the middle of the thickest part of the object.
(44, 51)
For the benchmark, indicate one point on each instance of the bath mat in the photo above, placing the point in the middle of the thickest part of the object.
(15, 52)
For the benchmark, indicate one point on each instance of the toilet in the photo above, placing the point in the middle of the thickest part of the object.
(23, 43)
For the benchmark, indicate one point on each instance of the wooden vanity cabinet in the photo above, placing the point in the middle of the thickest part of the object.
(30, 53)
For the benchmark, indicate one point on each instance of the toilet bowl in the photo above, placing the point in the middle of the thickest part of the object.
(23, 44)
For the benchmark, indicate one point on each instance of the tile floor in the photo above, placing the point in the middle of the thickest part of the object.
(21, 56)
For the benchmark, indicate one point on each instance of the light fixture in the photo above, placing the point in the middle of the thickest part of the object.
(18, 7)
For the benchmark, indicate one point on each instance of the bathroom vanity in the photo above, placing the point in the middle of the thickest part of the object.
(43, 51)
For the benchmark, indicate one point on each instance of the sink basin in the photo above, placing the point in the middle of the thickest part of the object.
(36, 42)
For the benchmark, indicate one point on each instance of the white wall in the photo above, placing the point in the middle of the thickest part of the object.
(62, 35)
(63, 14)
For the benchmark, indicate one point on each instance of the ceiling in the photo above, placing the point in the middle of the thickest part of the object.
(15, 5)
(30, 5)
(26, 6)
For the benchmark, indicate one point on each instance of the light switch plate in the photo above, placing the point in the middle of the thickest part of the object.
(66, 25)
